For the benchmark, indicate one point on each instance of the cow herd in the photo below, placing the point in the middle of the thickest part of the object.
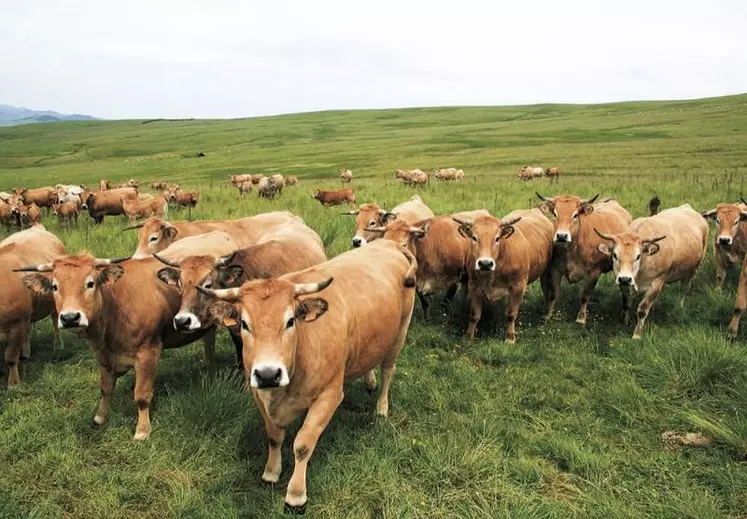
(303, 324)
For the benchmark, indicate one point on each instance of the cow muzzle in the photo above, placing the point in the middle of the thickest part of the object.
(485, 264)
(624, 280)
(186, 322)
(269, 376)
(725, 241)
(562, 237)
(358, 241)
(72, 319)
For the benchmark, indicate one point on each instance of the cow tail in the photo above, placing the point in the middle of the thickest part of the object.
(410, 274)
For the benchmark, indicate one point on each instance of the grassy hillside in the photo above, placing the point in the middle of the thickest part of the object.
(565, 423)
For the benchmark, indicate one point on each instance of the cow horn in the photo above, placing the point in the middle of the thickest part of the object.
(654, 240)
(302, 289)
(604, 236)
(462, 222)
(741, 199)
(509, 223)
(590, 200)
(351, 213)
(225, 260)
(44, 267)
(137, 225)
(104, 262)
(224, 294)
(163, 260)
(544, 199)
(375, 229)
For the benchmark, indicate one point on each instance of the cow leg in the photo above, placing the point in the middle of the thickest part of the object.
(388, 364)
(58, 342)
(209, 346)
(686, 287)
(448, 299)
(319, 415)
(369, 379)
(739, 305)
(625, 296)
(547, 291)
(145, 378)
(515, 297)
(238, 345)
(424, 303)
(645, 306)
(108, 379)
(586, 289)
(275, 437)
(720, 270)
(17, 336)
(475, 304)
(556, 276)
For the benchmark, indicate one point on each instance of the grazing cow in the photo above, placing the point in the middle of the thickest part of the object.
(506, 256)
(655, 250)
(278, 183)
(371, 215)
(135, 208)
(184, 199)
(108, 203)
(237, 180)
(330, 198)
(245, 187)
(42, 197)
(28, 215)
(346, 176)
(105, 185)
(296, 359)
(576, 255)
(158, 186)
(292, 180)
(130, 183)
(529, 172)
(6, 197)
(653, 206)
(67, 212)
(7, 215)
(441, 251)
(18, 307)
(449, 174)
(285, 249)
(730, 244)
(417, 178)
(265, 188)
(553, 173)
(256, 178)
(156, 234)
(67, 194)
(125, 313)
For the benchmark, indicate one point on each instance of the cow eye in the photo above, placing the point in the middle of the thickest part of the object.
(244, 325)
(290, 322)
(497, 238)
(153, 238)
(614, 255)
(208, 285)
(575, 216)
(55, 288)
(474, 238)
(638, 257)
(90, 285)
(372, 223)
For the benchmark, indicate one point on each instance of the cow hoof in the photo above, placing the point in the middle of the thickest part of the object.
(581, 321)
(270, 478)
(510, 341)
(140, 436)
(295, 510)
(636, 337)
(98, 420)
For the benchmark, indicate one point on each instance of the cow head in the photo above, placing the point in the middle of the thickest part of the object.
(401, 232)
(154, 235)
(268, 313)
(568, 211)
(75, 283)
(727, 217)
(369, 216)
(486, 233)
(627, 250)
(186, 275)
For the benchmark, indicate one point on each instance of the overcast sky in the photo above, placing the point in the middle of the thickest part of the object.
(232, 58)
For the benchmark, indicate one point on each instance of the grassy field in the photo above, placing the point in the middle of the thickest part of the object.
(565, 423)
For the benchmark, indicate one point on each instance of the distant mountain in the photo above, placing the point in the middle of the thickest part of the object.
(11, 115)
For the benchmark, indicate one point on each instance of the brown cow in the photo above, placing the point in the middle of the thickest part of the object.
(371, 215)
(285, 249)
(158, 186)
(730, 244)
(185, 199)
(135, 208)
(28, 215)
(130, 183)
(553, 173)
(506, 256)
(292, 180)
(236, 180)
(245, 187)
(156, 234)
(330, 198)
(19, 308)
(346, 176)
(108, 203)
(278, 183)
(42, 197)
(8, 215)
(257, 177)
(449, 174)
(654, 251)
(576, 255)
(296, 359)
(105, 185)
(67, 212)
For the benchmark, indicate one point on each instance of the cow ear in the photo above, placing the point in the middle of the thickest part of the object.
(229, 276)
(547, 208)
(37, 284)
(587, 209)
(465, 230)
(224, 313)
(109, 274)
(387, 218)
(169, 275)
(650, 248)
(742, 216)
(311, 309)
(710, 214)
(170, 232)
(605, 248)
(506, 231)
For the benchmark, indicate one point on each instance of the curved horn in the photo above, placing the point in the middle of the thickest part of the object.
(590, 200)
(98, 262)
(604, 236)
(302, 289)
(741, 199)
(137, 225)
(544, 199)
(351, 213)
(462, 222)
(224, 294)
(654, 240)
(163, 260)
(225, 260)
(44, 267)
(509, 223)
(375, 229)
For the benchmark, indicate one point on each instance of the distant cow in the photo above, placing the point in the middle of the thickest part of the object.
(292, 180)
(18, 307)
(158, 186)
(266, 189)
(134, 208)
(108, 203)
(653, 206)
(653, 251)
(67, 212)
(278, 183)
(68, 194)
(414, 177)
(245, 187)
(7, 215)
(330, 198)
(371, 215)
(506, 256)
(730, 244)
(41, 197)
(576, 255)
(105, 185)
(529, 172)
(297, 359)
(553, 173)
(185, 199)
(256, 178)
(236, 180)
(28, 215)
(449, 174)
(346, 176)
(130, 183)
